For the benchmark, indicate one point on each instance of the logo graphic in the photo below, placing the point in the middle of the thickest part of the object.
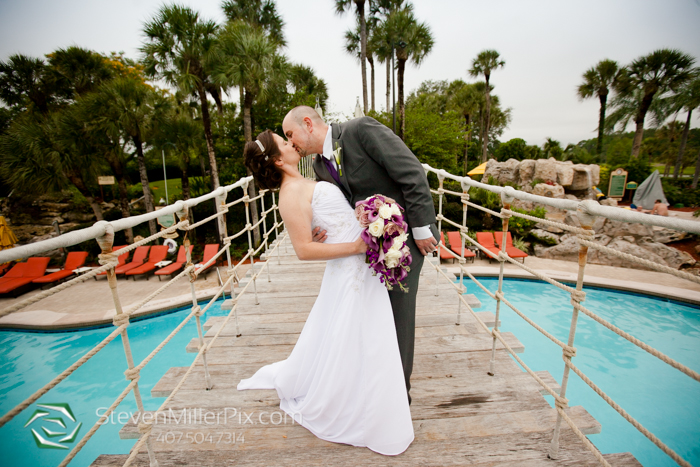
(63, 411)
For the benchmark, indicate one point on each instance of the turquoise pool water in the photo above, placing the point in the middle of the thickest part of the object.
(29, 360)
(663, 399)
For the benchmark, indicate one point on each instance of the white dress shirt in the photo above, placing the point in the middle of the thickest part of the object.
(419, 233)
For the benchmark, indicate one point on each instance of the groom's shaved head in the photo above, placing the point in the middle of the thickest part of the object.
(298, 113)
(305, 129)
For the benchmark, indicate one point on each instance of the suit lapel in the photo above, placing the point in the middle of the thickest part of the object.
(336, 133)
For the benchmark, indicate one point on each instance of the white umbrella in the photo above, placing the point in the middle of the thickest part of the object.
(358, 110)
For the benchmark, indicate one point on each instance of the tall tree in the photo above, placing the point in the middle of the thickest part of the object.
(180, 47)
(465, 99)
(353, 47)
(598, 81)
(341, 6)
(413, 42)
(687, 99)
(484, 63)
(650, 76)
(381, 39)
(27, 83)
(250, 61)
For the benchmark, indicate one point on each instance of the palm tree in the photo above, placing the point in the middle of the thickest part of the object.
(250, 61)
(465, 99)
(653, 75)
(340, 8)
(413, 42)
(303, 79)
(598, 81)
(28, 83)
(381, 39)
(688, 99)
(180, 48)
(484, 63)
(353, 47)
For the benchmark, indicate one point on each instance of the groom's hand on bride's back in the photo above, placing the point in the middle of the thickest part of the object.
(318, 235)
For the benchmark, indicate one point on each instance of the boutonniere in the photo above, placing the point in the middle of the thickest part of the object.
(337, 156)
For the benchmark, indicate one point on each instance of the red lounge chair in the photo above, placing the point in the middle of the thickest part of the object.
(4, 268)
(139, 257)
(444, 254)
(510, 249)
(210, 251)
(74, 260)
(485, 239)
(158, 254)
(456, 245)
(22, 274)
(177, 265)
(120, 258)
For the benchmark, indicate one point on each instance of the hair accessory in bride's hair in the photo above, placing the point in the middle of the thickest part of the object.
(262, 148)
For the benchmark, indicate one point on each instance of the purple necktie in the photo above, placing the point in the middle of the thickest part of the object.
(333, 171)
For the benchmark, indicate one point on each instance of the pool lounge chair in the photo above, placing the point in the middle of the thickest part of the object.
(158, 254)
(444, 254)
(74, 260)
(456, 245)
(510, 249)
(210, 250)
(177, 265)
(19, 279)
(485, 239)
(139, 258)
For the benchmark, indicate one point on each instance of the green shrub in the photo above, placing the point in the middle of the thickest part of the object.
(521, 226)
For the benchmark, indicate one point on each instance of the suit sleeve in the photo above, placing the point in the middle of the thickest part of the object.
(387, 149)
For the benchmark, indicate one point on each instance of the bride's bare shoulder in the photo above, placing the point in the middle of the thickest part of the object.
(295, 191)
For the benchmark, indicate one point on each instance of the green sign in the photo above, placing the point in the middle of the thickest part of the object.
(632, 186)
(618, 179)
(167, 220)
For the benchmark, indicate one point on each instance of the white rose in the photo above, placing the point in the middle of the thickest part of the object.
(402, 238)
(376, 228)
(395, 209)
(392, 258)
(385, 211)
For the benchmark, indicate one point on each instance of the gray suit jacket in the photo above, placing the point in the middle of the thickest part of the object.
(375, 161)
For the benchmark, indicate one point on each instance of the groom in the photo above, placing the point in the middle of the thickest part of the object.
(363, 158)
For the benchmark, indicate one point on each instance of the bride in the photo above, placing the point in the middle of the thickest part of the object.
(343, 380)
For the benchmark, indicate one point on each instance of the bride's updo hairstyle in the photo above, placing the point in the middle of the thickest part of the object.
(260, 156)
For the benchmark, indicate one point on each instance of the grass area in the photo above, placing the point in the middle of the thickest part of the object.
(688, 171)
(158, 187)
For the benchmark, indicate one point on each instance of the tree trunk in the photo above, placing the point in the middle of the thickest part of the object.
(215, 92)
(487, 123)
(148, 198)
(184, 178)
(370, 59)
(80, 185)
(639, 120)
(681, 150)
(360, 4)
(466, 145)
(252, 192)
(388, 85)
(206, 122)
(402, 110)
(696, 176)
(601, 121)
(118, 170)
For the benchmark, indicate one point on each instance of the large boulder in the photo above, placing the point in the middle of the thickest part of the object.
(622, 245)
(676, 259)
(668, 235)
(565, 173)
(613, 228)
(549, 191)
(583, 177)
(595, 174)
(566, 250)
(526, 172)
(509, 172)
(546, 170)
(493, 169)
(545, 236)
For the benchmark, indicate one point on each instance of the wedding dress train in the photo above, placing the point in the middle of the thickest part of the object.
(343, 380)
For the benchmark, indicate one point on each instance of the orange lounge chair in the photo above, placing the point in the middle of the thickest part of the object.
(158, 254)
(444, 254)
(510, 249)
(120, 258)
(177, 265)
(210, 250)
(140, 255)
(4, 268)
(485, 239)
(74, 260)
(15, 282)
(456, 245)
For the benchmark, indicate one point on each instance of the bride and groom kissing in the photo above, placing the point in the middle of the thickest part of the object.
(347, 380)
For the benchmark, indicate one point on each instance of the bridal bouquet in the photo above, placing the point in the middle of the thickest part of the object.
(384, 232)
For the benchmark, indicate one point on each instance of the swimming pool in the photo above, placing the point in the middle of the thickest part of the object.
(29, 360)
(663, 399)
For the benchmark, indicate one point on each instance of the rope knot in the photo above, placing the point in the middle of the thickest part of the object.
(561, 403)
(190, 271)
(502, 256)
(464, 197)
(197, 310)
(506, 213)
(132, 374)
(145, 427)
(120, 318)
(108, 258)
(569, 352)
(578, 295)
(498, 295)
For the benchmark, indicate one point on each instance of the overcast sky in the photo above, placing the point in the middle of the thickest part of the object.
(546, 45)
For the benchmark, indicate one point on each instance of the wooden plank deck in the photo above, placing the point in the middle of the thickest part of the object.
(461, 416)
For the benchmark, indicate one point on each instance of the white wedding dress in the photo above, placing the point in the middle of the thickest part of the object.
(343, 380)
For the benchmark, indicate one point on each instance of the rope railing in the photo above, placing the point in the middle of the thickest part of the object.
(586, 211)
(104, 232)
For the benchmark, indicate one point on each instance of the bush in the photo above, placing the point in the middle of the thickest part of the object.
(679, 192)
(522, 227)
